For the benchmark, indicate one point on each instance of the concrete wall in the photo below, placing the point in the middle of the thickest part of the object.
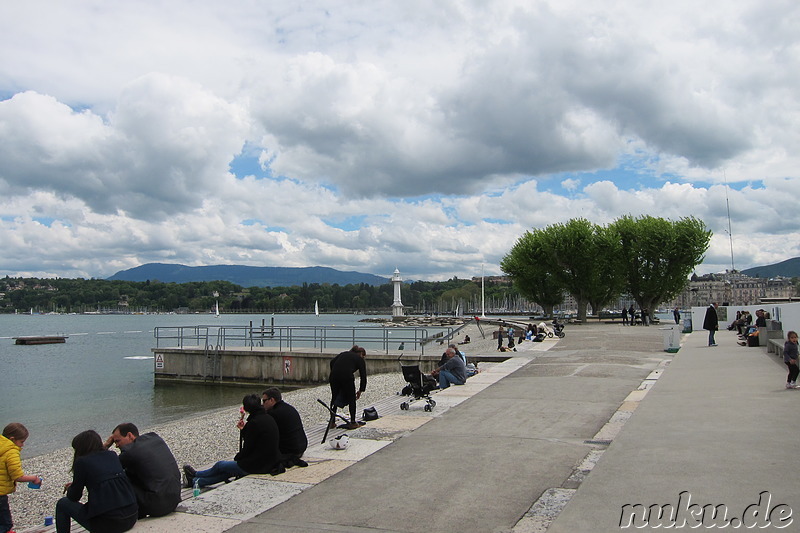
(246, 367)
(788, 314)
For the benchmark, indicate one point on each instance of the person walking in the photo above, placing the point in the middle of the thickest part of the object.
(790, 358)
(711, 323)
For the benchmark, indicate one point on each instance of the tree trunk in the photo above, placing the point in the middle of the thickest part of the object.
(582, 304)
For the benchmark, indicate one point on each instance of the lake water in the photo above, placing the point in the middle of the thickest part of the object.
(103, 374)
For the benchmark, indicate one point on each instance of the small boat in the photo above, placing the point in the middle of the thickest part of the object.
(41, 339)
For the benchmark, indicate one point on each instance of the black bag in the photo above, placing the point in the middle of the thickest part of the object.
(370, 413)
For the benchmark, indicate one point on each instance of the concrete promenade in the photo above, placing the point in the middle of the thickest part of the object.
(720, 426)
(559, 438)
(492, 447)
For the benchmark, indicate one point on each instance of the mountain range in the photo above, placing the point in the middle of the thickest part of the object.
(787, 269)
(246, 276)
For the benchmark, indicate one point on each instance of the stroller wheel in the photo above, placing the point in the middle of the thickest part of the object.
(432, 404)
(550, 334)
(427, 407)
(561, 334)
(404, 406)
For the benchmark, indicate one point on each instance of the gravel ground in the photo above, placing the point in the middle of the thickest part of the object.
(199, 441)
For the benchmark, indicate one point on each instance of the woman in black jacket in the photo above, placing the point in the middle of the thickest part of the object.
(111, 504)
(258, 449)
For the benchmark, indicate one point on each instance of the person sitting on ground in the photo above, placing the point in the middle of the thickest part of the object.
(761, 319)
(453, 372)
(459, 353)
(466, 340)
(111, 502)
(150, 467)
(292, 440)
(259, 451)
(343, 389)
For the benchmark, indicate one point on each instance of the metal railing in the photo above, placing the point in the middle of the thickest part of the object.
(291, 338)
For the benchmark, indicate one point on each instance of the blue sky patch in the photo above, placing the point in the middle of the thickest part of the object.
(352, 223)
(247, 163)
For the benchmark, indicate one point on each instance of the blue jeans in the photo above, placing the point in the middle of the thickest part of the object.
(711, 337)
(6, 523)
(446, 378)
(221, 471)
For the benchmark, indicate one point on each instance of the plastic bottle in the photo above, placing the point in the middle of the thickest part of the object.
(33, 485)
(196, 486)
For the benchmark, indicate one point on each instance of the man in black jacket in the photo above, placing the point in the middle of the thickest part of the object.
(711, 323)
(343, 388)
(292, 436)
(151, 468)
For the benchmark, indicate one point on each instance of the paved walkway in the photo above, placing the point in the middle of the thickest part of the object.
(719, 425)
(555, 440)
(490, 449)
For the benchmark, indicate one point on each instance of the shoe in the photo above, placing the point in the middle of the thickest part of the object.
(789, 385)
(353, 425)
(332, 424)
(715, 344)
(299, 462)
(190, 474)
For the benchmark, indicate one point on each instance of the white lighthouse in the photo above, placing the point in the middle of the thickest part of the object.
(397, 305)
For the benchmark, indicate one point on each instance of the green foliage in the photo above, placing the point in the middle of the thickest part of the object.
(578, 257)
(532, 277)
(658, 255)
(650, 258)
(81, 295)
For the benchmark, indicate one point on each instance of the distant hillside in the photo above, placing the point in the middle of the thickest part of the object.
(787, 269)
(246, 276)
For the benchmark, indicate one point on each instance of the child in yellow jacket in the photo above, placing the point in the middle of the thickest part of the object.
(11, 442)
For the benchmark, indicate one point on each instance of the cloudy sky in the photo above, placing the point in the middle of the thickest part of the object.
(373, 135)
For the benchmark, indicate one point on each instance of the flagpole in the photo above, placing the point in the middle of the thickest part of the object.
(483, 295)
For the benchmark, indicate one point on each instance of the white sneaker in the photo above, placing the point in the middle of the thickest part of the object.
(789, 385)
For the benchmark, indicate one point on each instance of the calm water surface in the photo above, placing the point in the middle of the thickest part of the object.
(103, 374)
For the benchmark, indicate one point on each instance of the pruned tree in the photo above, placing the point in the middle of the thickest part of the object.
(532, 277)
(658, 255)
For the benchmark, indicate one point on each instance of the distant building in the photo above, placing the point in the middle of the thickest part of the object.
(732, 288)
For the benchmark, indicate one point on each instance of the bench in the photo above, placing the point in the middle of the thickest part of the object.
(775, 346)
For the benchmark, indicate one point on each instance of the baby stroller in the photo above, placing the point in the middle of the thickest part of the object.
(419, 386)
(558, 329)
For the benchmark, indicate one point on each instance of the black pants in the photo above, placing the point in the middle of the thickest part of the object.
(343, 394)
(794, 370)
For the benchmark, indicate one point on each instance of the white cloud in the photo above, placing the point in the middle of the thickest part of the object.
(435, 132)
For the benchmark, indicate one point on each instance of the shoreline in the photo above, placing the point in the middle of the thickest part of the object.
(198, 440)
